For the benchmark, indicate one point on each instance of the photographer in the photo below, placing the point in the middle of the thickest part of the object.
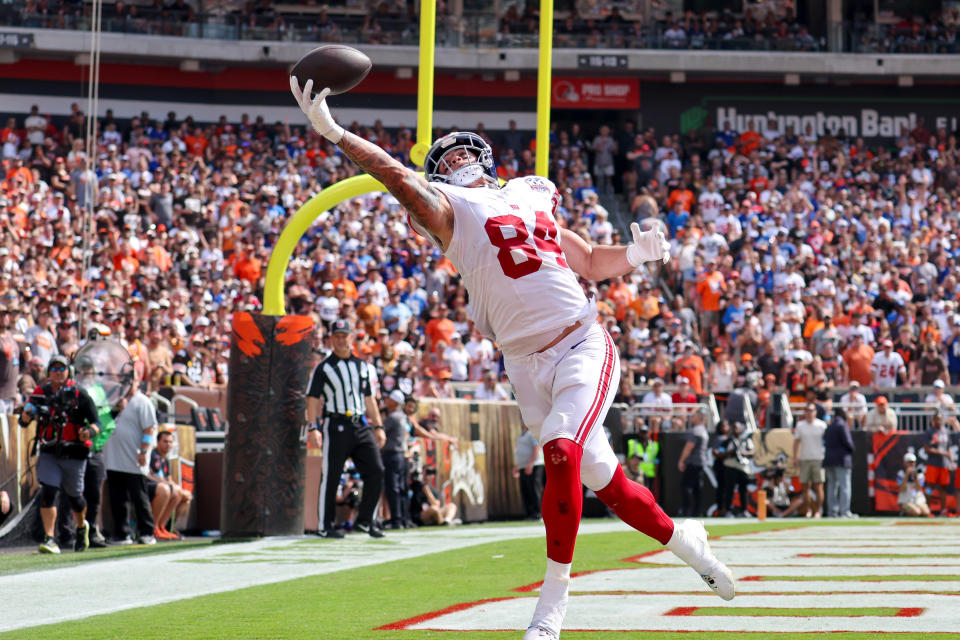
(67, 421)
(910, 495)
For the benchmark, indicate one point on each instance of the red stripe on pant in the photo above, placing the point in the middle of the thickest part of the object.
(606, 373)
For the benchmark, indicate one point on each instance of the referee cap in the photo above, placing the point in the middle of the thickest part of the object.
(397, 396)
(341, 326)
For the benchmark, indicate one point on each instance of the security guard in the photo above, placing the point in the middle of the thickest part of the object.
(341, 392)
(648, 452)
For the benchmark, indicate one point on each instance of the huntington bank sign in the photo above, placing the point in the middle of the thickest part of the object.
(873, 113)
(867, 123)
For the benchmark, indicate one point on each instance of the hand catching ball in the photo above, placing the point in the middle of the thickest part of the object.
(336, 66)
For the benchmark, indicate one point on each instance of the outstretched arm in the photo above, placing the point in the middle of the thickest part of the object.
(429, 208)
(601, 262)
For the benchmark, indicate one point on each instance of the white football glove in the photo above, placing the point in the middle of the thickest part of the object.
(316, 110)
(647, 246)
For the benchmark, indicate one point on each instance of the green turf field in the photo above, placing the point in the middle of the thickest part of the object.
(352, 604)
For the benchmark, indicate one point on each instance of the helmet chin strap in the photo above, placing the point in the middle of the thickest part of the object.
(466, 176)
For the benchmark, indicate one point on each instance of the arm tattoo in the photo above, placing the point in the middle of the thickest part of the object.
(422, 202)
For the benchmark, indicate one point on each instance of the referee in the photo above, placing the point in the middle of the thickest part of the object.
(350, 427)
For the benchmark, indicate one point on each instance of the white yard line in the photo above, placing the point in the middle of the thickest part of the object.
(127, 583)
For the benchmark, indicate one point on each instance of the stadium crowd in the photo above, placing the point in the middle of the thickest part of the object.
(763, 26)
(800, 261)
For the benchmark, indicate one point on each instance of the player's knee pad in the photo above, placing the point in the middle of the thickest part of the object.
(48, 496)
(77, 503)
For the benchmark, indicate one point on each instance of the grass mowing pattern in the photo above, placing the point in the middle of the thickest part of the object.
(348, 605)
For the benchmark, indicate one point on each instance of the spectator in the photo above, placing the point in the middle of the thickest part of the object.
(394, 453)
(457, 359)
(9, 362)
(855, 405)
(940, 462)
(838, 464)
(126, 455)
(481, 354)
(429, 426)
(881, 418)
(693, 460)
(931, 367)
(808, 455)
(939, 397)
(528, 469)
(168, 499)
(737, 466)
(490, 389)
(661, 404)
(910, 493)
(859, 360)
(887, 367)
(5, 506)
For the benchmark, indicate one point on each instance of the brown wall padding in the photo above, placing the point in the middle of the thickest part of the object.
(16, 464)
(263, 467)
(498, 426)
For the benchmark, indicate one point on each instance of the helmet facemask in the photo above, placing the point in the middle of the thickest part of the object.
(437, 166)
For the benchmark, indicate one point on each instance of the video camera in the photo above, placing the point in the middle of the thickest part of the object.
(51, 410)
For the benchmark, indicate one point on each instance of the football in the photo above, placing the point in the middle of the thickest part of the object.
(332, 65)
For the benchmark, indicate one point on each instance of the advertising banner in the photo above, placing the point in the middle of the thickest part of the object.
(887, 461)
(596, 93)
(869, 111)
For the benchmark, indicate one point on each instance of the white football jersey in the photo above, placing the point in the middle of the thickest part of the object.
(506, 246)
(885, 369)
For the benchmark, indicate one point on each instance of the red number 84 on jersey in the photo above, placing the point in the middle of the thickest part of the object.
(517, 256)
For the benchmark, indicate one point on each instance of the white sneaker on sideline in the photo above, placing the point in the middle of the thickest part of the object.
(689, 543)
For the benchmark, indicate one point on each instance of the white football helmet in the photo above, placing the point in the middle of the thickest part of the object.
(437, 169)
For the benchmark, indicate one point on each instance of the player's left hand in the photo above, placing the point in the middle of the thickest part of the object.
(316, 110)
(647, 246)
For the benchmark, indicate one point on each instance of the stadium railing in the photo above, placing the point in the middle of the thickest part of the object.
(347, 25)
(911, 416)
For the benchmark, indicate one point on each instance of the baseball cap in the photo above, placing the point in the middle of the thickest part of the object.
(881, 400)
(397, 396)
(888, 343)
(327, 286)
(909, 457)
(939, 384)
(58, 359)
(341, 326)
(854, 384)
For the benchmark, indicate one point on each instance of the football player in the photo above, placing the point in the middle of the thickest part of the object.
(521, 270)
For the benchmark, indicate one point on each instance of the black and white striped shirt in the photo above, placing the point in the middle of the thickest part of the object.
(343, 383)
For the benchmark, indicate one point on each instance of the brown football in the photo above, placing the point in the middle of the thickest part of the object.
(332, 65)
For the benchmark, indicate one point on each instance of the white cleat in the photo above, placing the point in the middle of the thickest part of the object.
(539, 633)
(689, 543)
